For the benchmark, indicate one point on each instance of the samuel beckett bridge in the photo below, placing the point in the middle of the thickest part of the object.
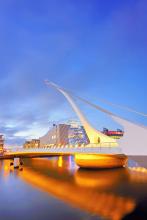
(102, 151)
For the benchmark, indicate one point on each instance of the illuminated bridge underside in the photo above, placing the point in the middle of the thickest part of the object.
(95, 136)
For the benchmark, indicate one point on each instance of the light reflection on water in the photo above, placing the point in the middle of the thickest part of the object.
(45, 186)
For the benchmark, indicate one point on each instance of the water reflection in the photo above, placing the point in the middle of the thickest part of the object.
(111, 194)
(102, 178)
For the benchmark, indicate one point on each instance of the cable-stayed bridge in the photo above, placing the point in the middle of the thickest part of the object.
(106, 148)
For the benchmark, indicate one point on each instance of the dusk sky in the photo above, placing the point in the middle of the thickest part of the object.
(95, 48)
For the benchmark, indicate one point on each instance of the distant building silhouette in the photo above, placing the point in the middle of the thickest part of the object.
(34, 143)
(1, 143)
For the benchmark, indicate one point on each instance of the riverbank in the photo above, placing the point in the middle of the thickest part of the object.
(141, 160)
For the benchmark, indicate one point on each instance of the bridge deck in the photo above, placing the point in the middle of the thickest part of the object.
(44, 152)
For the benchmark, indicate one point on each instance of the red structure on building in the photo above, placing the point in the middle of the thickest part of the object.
(114, 134)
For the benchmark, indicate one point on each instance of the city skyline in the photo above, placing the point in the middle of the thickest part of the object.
(97, 50)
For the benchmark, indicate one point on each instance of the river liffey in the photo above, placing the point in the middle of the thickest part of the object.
(55, 188)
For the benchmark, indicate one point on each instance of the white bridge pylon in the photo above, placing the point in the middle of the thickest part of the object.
(134, 141)
(95, 136)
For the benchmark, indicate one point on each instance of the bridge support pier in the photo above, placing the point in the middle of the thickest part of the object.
(17, 162)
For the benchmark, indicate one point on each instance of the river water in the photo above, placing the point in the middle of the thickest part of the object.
(54, 188)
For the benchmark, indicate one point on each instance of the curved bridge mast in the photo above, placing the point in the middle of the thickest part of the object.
(95, 136)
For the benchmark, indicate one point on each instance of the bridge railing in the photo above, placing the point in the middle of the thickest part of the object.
(72, 150)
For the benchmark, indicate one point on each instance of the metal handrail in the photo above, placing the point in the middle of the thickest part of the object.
(91, 149)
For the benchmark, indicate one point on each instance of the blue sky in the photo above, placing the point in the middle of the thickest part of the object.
(97, 49)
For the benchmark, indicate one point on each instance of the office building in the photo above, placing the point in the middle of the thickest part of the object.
(57, 136)
(34, 143)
